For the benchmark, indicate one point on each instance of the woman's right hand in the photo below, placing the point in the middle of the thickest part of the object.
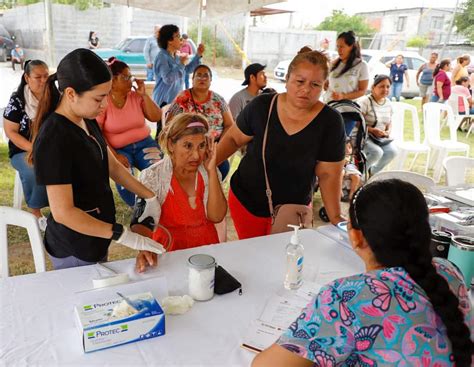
(378, 133)
(144, 260)
(123, 160)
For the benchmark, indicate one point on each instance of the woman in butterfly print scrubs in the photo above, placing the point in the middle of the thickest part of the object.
(403, 311)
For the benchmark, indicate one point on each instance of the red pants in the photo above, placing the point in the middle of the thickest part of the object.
(246, 224)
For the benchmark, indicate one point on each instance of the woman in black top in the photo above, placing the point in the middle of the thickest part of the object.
(305, 140)
(72, 159)
(19, 113)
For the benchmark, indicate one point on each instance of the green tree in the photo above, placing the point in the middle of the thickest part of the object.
(465, 19)
(418, 41)
(341, 22)
(209, 41)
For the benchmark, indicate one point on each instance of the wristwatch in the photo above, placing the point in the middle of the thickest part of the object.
(117, 230)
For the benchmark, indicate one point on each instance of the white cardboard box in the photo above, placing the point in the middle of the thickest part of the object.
(100, 329)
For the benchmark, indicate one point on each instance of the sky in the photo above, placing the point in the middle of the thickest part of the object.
(314, 11)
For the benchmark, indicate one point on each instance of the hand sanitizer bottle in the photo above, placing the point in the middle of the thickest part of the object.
(294, 261)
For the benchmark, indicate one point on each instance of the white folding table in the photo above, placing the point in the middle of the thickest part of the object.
(37, 319)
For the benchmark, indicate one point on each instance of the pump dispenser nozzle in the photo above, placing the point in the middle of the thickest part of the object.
(294, 238)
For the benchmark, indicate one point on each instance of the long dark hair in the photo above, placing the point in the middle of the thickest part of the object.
(81, 70)
(90, 35)
(441, 65)
(166, 35)
(28, 68)
(349, 38)
(393, 217)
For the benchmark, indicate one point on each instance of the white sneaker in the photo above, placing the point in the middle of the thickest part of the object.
(43, 223)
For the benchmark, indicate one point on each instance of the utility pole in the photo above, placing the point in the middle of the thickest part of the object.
(49, 39)
(451, 25)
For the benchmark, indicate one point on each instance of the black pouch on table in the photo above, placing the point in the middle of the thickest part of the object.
(225, 283)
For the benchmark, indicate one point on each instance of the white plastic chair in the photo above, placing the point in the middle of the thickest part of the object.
(424, 183)
(17, 192)
(411, 146)
(455, 168)
(3, 136)
(11, 216)
(432, 113)
(453, 101)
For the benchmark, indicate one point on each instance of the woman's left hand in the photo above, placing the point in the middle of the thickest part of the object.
(337, 96)
(210, 161)
(140, 88)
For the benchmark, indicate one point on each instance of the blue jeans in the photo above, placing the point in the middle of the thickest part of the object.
(150, 74)
(71, 262)
(136, 158)
(224, 168)
(435, 98)
(396, 91)
(377, 156)
(35, 195)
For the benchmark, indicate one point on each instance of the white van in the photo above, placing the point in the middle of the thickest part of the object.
(376, 60)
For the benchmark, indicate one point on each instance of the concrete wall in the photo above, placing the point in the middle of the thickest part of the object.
(71, 26)
(270, 46)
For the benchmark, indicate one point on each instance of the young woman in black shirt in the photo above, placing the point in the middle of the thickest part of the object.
(305, 140)
(72, 160)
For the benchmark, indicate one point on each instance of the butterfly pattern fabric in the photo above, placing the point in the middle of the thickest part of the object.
(378, 318)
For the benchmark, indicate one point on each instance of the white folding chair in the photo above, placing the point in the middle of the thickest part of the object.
(3, 136)
(453, 101)
(455, 168)
(407, 146)
(424, 183)
(11, 216)
(17, 191)
(432, 113)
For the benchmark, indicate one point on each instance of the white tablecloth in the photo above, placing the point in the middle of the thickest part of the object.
(37, 320)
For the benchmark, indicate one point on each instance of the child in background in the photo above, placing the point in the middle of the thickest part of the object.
(351, 176)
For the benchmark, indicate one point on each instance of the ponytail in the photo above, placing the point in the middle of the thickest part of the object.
(47, 105)
(400, 237)
(441, 65)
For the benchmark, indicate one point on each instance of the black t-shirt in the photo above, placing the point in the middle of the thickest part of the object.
(15, 112)
(64, 154)
(291, 159)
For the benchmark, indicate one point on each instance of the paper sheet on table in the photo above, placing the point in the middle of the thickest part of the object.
(278, 314)
(157, 286)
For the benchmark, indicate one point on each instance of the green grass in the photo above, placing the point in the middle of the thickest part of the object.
(18, 236)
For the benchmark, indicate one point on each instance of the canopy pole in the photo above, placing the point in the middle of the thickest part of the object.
(245, 40)
(201, 8)
(49, 39)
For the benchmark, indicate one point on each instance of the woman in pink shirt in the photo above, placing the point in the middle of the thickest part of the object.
(442, 83)
(462, 90)
(123, 123)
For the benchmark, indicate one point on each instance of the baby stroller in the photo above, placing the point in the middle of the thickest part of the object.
(350, 112)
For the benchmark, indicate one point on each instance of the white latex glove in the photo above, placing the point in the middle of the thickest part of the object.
(152, 209)
(139, 242)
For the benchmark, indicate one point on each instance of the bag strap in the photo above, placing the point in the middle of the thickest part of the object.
(268, 191)
(373, 110)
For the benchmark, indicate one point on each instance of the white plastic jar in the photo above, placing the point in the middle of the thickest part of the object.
(202, 271)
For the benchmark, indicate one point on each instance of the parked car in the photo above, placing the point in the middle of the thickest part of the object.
(6, 47)
(130, 51)
(282, 68)
(376, 60)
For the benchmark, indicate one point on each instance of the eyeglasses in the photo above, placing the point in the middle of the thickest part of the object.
(204, 76)
(126, 77)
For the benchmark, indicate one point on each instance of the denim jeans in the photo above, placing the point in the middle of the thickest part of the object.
(396, 91)
(136, 158)
(71, 262)
(379, 156)
(150, 74)
(435, 98)
(35, 195)
(186, 80)
(224, 168)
